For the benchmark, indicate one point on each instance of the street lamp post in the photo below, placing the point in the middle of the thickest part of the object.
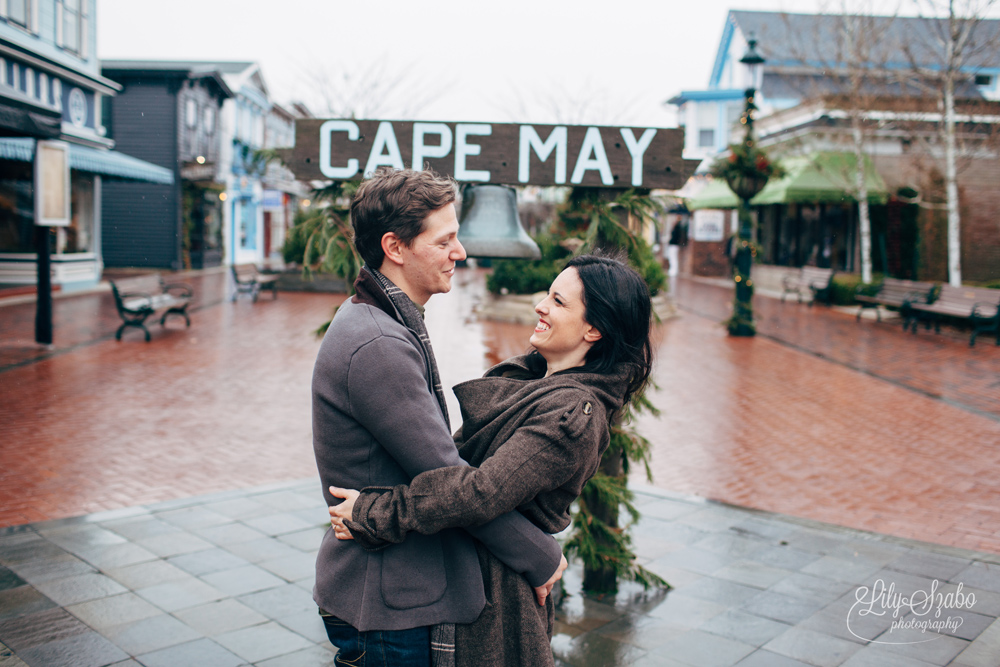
(746, 186)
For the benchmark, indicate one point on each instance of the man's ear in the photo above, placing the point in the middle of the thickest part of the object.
(392, 247)
(592, 335)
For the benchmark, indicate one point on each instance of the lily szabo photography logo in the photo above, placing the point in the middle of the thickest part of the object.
(921, 616)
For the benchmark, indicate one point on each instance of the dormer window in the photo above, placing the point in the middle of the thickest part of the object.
(71, 25)
(19, 12)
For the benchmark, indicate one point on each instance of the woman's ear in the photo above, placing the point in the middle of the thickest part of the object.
(592, 335)
(392, 247)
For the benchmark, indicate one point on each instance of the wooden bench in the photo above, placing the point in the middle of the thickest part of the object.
(979, 305)
(138, 298)
(817, 281)
(895, 293)
(250, 281)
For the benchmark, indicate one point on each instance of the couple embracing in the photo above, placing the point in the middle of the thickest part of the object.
(445, 556)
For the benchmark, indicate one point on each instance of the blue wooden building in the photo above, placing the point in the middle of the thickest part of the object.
(51, 88)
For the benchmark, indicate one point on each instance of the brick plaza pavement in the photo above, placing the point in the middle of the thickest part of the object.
(808, 426)
(805, 425)
(820, 416)
(100, 424)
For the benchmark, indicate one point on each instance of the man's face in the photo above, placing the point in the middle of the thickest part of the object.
(429, 262)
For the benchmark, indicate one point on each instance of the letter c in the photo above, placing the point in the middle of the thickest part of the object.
(325, 132)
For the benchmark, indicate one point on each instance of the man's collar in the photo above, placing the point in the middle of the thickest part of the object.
(368, 291)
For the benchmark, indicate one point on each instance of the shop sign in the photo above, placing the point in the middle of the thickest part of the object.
(512, 154)
(272, 199)
(708, 225)
(52, 184)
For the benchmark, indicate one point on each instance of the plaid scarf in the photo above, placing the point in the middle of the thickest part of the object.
(374, 288)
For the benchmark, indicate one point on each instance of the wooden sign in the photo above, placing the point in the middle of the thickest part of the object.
(509, 154)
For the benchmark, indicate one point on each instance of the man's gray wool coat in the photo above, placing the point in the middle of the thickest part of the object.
(535, 441)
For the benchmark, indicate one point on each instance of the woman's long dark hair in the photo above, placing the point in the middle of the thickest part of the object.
(618, 305)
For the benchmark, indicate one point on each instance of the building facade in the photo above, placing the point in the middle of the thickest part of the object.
(283, 195)
(51, 89)
(809, 106)
(211, 123)
(167, 113)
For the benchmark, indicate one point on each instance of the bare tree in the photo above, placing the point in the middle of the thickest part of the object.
(957, 39)
(564, 104)
(373, 89)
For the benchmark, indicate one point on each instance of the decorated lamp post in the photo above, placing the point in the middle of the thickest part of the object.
(746, 170)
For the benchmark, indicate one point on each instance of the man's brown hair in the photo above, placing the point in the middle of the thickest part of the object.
(397, 201)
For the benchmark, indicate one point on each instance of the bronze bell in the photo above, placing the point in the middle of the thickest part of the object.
(491, 226)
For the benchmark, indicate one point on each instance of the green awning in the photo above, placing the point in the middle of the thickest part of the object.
(813, 179)
(714, 195)
(111, 164)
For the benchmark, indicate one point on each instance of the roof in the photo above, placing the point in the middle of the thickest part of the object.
(223, 66)
(812, 40)
(186, 69)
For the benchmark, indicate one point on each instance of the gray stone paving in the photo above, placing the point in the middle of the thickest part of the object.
(225, 581)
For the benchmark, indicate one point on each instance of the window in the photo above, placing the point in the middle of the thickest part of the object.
(706, 138)
(191, 112)
(209, 120)
(984, 80)
(71, 27)
(78, 236)
(19, 11)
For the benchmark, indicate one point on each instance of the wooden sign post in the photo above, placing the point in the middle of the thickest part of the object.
(498, 153)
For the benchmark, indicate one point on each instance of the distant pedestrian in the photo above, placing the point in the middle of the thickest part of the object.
(678, 238)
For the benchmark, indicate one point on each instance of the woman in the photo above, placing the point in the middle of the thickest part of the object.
(534, 429)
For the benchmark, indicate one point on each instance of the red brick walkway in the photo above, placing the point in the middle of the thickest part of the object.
(222, 405)
(804, 425)
(830, 419)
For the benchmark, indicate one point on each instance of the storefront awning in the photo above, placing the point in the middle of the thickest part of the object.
(813, 179)
(16, 119)
(111, 164)
(714, 195)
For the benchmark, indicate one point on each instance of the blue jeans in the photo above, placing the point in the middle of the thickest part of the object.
(378, 648)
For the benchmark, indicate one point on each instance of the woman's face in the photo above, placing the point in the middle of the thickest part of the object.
(562, 334)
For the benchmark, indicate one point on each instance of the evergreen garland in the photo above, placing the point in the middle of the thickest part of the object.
(596, 537)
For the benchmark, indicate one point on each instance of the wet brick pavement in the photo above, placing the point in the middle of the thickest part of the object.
(221, 405)
(813, 429)
(828, 418)
(224, 581)
(820, 417)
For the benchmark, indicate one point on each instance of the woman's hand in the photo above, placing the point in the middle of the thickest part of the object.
(344, 511)
(543, 591)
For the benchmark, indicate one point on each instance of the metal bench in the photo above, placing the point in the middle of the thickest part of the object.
(138, 298)
(817, 281)
(249, 280)
(895, 293)
(979, 305)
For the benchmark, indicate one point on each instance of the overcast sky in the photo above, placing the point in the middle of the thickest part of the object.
(541, 61)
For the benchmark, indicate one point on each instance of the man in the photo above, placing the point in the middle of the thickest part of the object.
(379, 419)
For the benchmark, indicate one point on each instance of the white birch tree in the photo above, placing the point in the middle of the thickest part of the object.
(944, 56)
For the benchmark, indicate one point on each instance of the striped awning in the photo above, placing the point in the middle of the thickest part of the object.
(111, 164)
